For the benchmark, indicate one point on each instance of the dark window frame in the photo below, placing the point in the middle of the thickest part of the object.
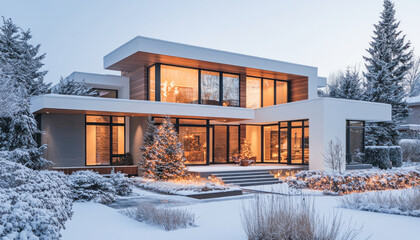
(348, 137)
(106, 89)
(275, 89)
(110, 124)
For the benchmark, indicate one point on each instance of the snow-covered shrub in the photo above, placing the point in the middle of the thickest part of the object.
(33, 204)
(122, 184)
(89, 185)
(168, 219)
(29, 157)
(410, 149)
(357, 181)
(378, 156)
(281, 217)
(395, 155)
(69, 86)
(403, 202)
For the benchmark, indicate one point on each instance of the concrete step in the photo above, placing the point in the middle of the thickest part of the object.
(249, 180)
(259, 183)
(245, 177)
(240, 173)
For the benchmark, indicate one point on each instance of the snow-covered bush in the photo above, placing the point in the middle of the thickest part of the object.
(357, 181)
(168, 219)
(281, 217)
(395, 155)
(410, 149)
(89, 185)
(378, 156)
(122, 184)
(403, 202)
(33, 204)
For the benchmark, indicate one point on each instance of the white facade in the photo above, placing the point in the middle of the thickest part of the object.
(327, 117)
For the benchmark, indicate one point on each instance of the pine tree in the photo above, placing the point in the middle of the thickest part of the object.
(387, 64)
(347, 85)
(68, 86)
(148, 150)
(170, 159)
(15, 50)
(18, 127)
(245, 152)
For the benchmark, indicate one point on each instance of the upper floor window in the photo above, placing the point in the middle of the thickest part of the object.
(106, 93)
(230, 90)
(178, 85)
(210, 90)
(262, 92)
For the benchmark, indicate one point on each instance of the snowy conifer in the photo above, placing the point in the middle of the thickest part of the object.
(18, 126)
(68, 86)
(15, 50)
(170, 158)
(148, 150)
(347, 85)
(387, 65)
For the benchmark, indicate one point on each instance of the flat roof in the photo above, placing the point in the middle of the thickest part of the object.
(146, 51)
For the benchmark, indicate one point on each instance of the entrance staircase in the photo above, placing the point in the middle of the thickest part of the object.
(247, 178)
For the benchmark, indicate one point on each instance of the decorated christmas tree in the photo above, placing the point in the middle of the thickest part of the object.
(169, 159)
(246, 152)
(148, 150)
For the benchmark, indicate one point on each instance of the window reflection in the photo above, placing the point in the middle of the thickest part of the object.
(210, 88)
(179, 85)
(253, 92)
(271, 143)
(194, 143)
(230, 90)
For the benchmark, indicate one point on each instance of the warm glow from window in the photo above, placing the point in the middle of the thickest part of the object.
(268, 92)
(281, 92)
(152, 83)
(253, 92)
(179, 85)
(253, 135)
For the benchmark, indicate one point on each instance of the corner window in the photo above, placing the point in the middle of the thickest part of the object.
(105, 139)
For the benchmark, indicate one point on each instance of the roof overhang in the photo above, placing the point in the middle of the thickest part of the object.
(55, 103)
(142, 51)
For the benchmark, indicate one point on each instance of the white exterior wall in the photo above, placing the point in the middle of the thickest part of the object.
(112, 82)
(327, 120)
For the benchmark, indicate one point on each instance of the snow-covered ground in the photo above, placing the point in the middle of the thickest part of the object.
(219, 219)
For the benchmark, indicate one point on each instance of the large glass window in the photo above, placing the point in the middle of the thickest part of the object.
(253, 135)
(268, 92)
(253, 92)
(152, 79)
(355, 142)
(296, 144)
(284, 143)
(233, 141)
(230, 90)
(271, 143)
(210, 82)
(105, 139)
(194, 143)
(178, 85)
(220, 144)
(281, 92)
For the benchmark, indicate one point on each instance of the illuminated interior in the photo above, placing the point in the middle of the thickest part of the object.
(253, 92)
(268, 92)
(103, 146)
(271, 143)
(194, 143)
(178, 85)
(152, 91)
(253, 135)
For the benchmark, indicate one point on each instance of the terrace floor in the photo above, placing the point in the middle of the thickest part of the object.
(213, 168)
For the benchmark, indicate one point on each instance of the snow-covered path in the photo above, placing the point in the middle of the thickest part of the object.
(221, 220)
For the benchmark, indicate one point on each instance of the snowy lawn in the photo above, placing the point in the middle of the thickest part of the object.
(220, 219)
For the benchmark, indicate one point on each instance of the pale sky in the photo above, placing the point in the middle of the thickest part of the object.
(328, 34)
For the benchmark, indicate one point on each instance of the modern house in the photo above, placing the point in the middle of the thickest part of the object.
(215, 98)
(412, 124)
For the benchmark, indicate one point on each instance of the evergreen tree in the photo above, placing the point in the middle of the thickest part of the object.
(170, 159)
(347, 85)
(18, 127)
(148, 150)
(387, 64)
(15, 50)
(68, 86)
(245, 152)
